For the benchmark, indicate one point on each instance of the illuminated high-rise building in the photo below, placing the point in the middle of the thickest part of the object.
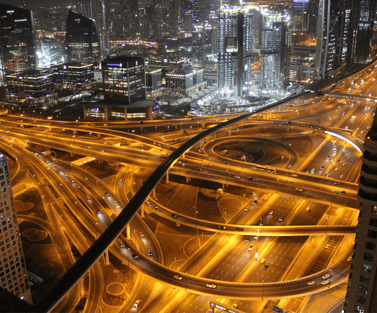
(330, 31)
(301, 15)
(81, 39)
(13, 274)
(275, 52)
(96, 10)
(124, 79)
(366, 16)
(362, 286)
(235, 34)
(16, 40)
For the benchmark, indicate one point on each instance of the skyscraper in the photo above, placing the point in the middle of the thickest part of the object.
(362, 286)
(13, 274)
(124, 79)
(16, 40)
(96, 10)
(275, 52)
(367, 11)
(81, 39)
(235, 49)
(330, 30)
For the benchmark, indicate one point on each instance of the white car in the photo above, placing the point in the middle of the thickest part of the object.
(136, 304)
(211, 286)
(326, 276)
(325, 282)
(309, 283)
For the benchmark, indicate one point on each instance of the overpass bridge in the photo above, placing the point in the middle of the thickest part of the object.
(348, 96)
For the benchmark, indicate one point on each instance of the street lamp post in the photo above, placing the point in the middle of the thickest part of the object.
(262, 288)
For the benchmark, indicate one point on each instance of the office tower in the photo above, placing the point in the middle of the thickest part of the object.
(366, 15)
(31, 87)
(330, 30)
(275, 52)
(234, 49)
(175, 16)
(13, 274)
(362, 292)
(81, 39)
(95, 9)
(16, 40)
(301, 15)
(124, 79)
(160, 22)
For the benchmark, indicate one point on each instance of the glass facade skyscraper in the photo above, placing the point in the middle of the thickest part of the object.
(13, 274)
(235, 34)
(81, 39)
(16, 40)
(124, 79)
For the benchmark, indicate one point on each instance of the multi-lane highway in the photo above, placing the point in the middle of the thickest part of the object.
(308, 197)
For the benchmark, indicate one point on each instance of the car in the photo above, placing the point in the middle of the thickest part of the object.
(211, 286)
(281, 219)
(298, 189)
(88, 197)
(309, 283)
(266, 267)
(150, 253)
(327, 246)
(136, 304)
(349, 258)
(342, 191)
(99, 212)
(174, 215)
(326, 276)
(325, 282)
(235, 305)
(200, 169)
(237, 177)
(107, 194)
(271, 212)
(135, 256)
(117, 206)
(251, 178)
(178, 277)
(308, 209)
(122, 245)
(251, 248)
(72, 181)
(247, 239)
(262, 261)
(59, 171)
(255, 202)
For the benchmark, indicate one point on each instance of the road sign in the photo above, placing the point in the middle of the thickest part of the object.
(277, 309)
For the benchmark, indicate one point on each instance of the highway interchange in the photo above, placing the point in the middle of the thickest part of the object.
(323, 180)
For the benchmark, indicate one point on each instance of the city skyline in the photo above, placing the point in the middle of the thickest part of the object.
(188, 156)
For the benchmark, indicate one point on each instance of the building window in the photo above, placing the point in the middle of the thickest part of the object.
(362, 289)
(373, 222)
(366, 268)
(364, 279)
(372, 234)
(360, 299)
(370, 245)
(368, 257)
(374, 209)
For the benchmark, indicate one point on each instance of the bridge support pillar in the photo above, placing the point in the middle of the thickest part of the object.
(188, 179)
(74, 132)
(228, 131)
(201, 145)
(106, 257)
(128, 232)
(154, 192)
(98, 135)
(81, 286)
(167, 176)
(72, 154)
(177, 224)
(142, 211)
